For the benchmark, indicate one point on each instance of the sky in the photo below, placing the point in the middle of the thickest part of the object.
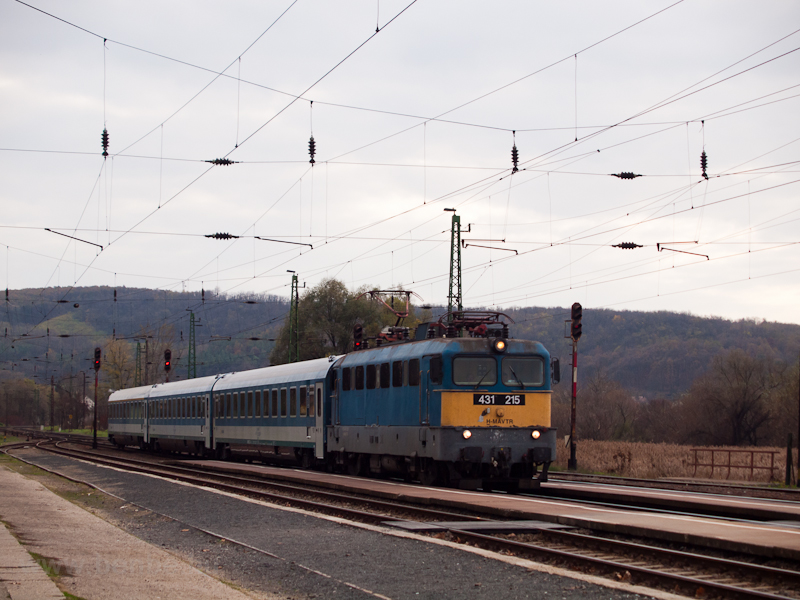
(414, 107)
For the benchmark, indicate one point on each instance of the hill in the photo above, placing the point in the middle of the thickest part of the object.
(52, 332)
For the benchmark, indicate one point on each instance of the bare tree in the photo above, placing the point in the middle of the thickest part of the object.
(606, 411)
(729, 405)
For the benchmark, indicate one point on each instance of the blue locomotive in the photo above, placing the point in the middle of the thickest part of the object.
(442, 409)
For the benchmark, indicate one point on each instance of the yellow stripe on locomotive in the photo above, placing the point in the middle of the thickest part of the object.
(489, 409)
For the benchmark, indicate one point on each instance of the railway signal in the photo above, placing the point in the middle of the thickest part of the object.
(358, 337)
(576, 328)
(97, 354)
(167, 362)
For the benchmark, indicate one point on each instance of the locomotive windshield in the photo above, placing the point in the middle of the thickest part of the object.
(468, 370)
(518, 371)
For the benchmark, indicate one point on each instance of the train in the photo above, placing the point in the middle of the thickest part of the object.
(465, 407)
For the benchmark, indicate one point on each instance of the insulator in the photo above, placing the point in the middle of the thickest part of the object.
(312, 149)
(626, 245)
(514, 158)
(704, 163)
(221, 161)
(222, 236)
(626, 175)
(104, 141)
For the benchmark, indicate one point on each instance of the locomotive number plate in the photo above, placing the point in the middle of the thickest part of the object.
(499, 399)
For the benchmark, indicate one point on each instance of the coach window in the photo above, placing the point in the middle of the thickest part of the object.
(250, 406)
(283, 402)
(216, 406)
(385, 375)
(303, 408)
(371, 377)
(259, 407)
(346, 379)
(311, 401)
(397, 373)
(293, 402)
(413, 372)
(319, 401)
(228, 406)
(274, 412)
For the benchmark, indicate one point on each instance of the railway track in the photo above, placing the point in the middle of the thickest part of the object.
(692, 573)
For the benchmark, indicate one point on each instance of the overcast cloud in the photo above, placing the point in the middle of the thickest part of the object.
(372, 204)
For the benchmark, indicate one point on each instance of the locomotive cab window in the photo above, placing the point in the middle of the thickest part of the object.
(346, 379)
(437, 369)
(371, 377)
(384, 375)
(397, 373)
(468, 370)
(360, 378)
(523, 371)
(413, 372)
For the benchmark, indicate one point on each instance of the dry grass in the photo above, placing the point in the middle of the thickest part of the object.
(653, 461)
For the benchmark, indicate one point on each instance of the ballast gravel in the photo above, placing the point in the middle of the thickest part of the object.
(292, 555)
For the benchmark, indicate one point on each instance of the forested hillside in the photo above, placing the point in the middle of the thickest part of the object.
(655, 354)
(650, 354)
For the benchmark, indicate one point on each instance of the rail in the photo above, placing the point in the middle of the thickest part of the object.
(698, 454)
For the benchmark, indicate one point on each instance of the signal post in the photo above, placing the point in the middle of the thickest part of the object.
(576, 330)
(97, 355)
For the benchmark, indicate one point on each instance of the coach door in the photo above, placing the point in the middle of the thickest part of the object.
(319, 427)
(206, 404)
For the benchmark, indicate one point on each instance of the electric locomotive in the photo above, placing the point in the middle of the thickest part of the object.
(461, 404)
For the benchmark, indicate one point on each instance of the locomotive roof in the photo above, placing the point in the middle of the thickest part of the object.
(302, 371)
(436, 346)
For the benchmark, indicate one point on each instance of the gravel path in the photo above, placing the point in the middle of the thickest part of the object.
(295, 555)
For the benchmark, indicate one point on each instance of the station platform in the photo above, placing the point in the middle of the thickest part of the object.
(21, 577)
(685, 501)
(772, 539)
(91, 558)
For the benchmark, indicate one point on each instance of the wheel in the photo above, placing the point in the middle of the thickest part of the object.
(430, 474)
(356, 464)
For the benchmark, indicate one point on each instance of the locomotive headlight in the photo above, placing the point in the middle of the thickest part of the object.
(500, 346)
(467, 434)
(535, 435)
